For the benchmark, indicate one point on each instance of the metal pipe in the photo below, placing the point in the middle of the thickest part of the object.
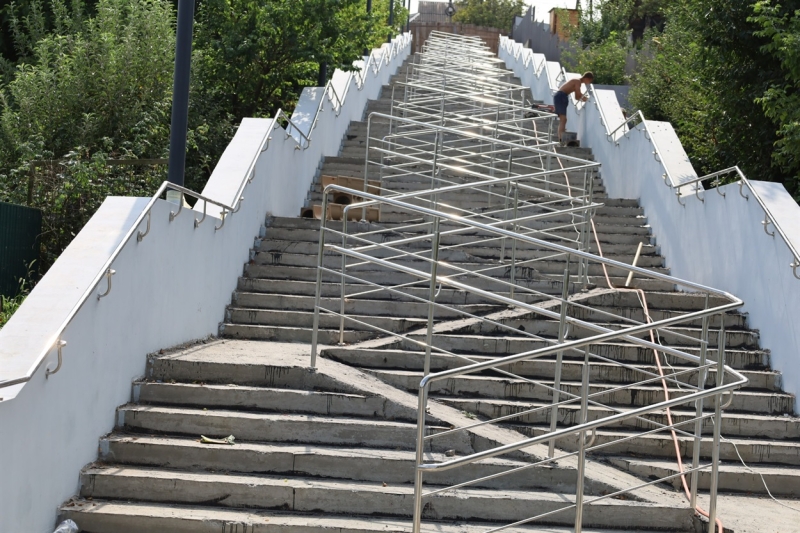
(562, 329)
(582, 445)
(698, 428)
(180, 92)
(712, 506)
(432, 295)
(422, 407)
(317, 294)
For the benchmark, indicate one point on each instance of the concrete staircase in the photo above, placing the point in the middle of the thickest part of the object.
(334, 448)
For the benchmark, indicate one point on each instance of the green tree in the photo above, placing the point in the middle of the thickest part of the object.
(780, 25)
(253, 57)
(492, 13)
(605, 59)
(97, 89)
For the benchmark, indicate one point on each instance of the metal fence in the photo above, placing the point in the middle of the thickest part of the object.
(20, 228)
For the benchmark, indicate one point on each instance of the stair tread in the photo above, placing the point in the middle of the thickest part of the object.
(205, 519)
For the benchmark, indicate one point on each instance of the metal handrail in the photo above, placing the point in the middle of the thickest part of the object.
(610, 135)
(383, 252)
(769, 218)
(55, 339)
(372, 198)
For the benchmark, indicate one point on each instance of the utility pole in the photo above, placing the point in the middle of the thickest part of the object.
(180, 97)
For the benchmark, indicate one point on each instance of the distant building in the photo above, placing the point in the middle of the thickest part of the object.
(432, 12)
(562, 21)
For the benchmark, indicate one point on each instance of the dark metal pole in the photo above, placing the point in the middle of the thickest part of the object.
(369, 13)
(391, 20)
(180, 92)
(323, 75)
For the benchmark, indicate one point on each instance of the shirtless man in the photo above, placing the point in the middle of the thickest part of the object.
(561, 99)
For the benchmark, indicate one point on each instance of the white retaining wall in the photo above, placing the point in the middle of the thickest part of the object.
(719, 242)
(170, 288)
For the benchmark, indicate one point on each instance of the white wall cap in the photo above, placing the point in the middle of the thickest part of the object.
(53, 298)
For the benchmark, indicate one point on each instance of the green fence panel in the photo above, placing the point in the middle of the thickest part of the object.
(20, 228)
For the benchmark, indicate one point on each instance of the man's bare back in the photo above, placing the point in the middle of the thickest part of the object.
(573, 86)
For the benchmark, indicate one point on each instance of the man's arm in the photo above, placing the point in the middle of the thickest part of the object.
(578, 94)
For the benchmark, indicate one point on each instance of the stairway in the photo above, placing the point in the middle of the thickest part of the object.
(334, 448)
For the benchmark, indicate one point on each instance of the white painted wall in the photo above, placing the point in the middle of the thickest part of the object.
(168, 289)
(719, 242)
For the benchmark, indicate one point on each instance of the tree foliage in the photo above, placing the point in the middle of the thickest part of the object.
(722, 76)
(780, 26)
(605, 59)
(85, 82)
(492, 13)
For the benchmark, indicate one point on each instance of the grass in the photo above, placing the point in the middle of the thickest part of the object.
(10, 304)
(8, 307)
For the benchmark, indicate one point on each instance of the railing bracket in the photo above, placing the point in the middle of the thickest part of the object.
(110, 272)
(59, 345)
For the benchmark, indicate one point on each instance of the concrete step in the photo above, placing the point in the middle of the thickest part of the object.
(472, 386)
(509, 345)
(276, 249)
(525, 269)
(615, 235)
(539, 368)
(401, 229)
(551, 283)
(355, 306)
(353, 497)
(673, 336)
(749, 425)
(494, 206)
(621, 315)
(274, 428)
(267, 399)
(254, 292)
(359, 463)
(470, 243)
(302, 319)
(733, 477)
(100, 516)
(232, 330)
(753, 451)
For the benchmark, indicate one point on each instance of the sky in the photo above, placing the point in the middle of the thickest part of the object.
(542, 6)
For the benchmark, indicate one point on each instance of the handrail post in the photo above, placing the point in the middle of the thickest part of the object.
(422, 408)
(582, 444)
(712, 506)
(514, 243)
(698, 425)
(344, 268)
(320, 258)
(562, 330)
(432, 294)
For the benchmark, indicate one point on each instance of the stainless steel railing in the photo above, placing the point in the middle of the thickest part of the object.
(435, 156)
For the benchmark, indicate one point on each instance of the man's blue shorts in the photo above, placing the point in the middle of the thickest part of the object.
(560, 101)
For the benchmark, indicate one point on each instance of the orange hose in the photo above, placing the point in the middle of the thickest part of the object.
(641, 293)
(643, 298)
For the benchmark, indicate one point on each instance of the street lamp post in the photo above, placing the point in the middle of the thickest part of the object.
(391, 20)
(369, 15)
(180, 97)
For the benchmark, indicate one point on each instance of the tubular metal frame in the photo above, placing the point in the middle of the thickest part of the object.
(438, 132)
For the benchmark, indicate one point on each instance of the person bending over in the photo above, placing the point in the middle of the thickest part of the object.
(561, 99)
